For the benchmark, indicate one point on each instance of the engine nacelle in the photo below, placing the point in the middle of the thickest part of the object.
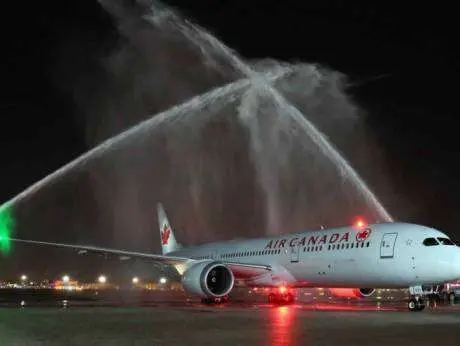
(208, 279)
(365, 292)
(352, 292)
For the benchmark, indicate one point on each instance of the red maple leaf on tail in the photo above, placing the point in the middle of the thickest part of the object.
(165, 234)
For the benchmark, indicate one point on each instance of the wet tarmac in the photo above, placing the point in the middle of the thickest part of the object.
(233, 324)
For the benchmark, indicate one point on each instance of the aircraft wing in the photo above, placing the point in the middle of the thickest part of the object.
(240, 270)
(122, 254)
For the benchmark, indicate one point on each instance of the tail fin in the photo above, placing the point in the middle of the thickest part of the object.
(168, 241)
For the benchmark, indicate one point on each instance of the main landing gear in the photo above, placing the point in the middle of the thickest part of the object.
(281, 296)
(215, 301)
(416, 300)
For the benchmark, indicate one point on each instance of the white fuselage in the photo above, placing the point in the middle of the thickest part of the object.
(379, 255)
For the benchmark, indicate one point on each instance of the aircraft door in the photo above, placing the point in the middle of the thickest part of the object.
(387, 247)
(295, 252)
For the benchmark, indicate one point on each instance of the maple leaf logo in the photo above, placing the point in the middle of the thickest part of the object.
(165, 233)
(363, 235)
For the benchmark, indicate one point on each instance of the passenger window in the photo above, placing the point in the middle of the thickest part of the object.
(445, 241)
(430, 242)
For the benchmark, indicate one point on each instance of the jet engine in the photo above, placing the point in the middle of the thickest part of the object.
(208, 279)
(365, 292)
(352, 292)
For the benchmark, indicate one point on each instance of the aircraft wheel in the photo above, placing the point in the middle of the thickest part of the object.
(412, 305)
(280, 300)
(415, 305)
(420, 305)
(221, 300)
(215, 301)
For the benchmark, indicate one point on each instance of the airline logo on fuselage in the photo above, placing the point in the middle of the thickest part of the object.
(165, 233)
(363, 235)
(333, 238)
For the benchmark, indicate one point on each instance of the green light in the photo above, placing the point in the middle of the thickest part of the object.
(6, 229)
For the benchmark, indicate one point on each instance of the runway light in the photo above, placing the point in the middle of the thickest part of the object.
(163, 280)
(102, 279)
(65, 279)
(135, 280)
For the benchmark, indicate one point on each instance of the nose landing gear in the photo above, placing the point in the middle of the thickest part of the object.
(417, 298)
(416, 303)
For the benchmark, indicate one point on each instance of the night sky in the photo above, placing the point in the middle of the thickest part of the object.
(403, 61)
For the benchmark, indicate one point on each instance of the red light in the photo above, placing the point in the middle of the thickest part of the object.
(360, 223)
(345, 292)
(282, 289)
(282, 326)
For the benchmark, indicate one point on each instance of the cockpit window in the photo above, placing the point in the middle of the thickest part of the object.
(430, 242)
(445, 241)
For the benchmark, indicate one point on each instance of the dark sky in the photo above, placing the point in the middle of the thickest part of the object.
(412, 108)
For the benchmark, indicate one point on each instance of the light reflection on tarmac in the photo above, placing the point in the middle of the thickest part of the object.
(176, 323)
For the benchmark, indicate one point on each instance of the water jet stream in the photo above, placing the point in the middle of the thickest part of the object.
(258, 84)
(177, 113)
(189, 29)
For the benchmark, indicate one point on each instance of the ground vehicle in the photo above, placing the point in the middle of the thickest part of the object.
(451, 291)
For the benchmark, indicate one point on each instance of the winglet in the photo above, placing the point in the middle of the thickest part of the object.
(168, 241)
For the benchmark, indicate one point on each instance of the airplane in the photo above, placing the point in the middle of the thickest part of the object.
(381, 255)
